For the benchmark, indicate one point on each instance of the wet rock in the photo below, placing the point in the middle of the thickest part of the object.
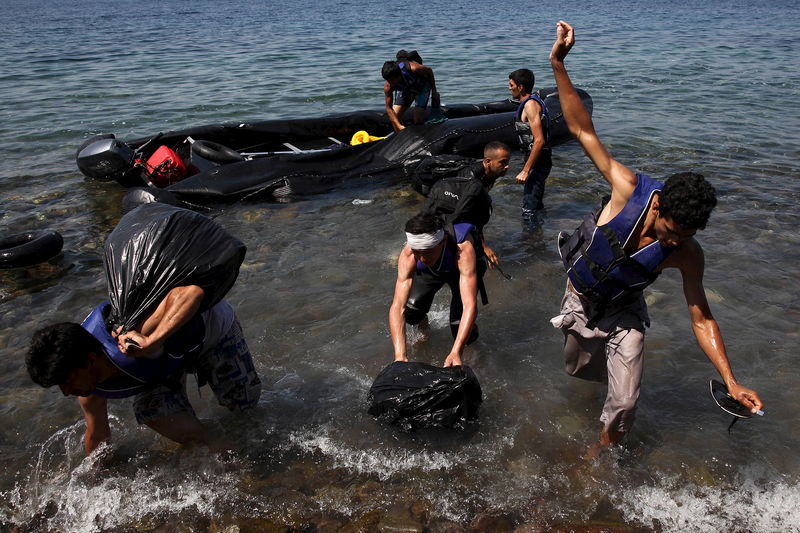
(177, 525)
(366, 491)
(288, 213)
(399, 524)
(366, 523)
(529, 528)
(596, 527)
(246, 525)
(321, 523)
(444, 526)
(421, 510)
(487, 523)
(254, 215)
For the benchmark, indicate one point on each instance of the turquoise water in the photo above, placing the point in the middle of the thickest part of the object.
(712, 87)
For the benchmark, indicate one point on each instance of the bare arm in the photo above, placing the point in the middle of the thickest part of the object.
(706, 330)
(468, 287)
(176, 309)
(402, 289)
(95, 413)
(387, 94)
(621, 178)
(531, 114)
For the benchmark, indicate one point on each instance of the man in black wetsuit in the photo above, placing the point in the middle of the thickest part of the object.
(465, 197)
(431, 258)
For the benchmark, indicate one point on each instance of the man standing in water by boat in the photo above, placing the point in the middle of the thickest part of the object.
(643, 228)
(407, 82)
(431, 258)
(532, 123)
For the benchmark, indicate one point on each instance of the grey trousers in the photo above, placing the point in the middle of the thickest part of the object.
(612, 353)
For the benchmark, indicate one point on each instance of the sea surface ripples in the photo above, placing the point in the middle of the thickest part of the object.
(705, 86)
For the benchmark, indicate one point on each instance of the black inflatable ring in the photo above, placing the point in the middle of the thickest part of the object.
(26, 249)
(216, 152)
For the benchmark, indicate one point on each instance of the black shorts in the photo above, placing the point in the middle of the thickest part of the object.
(424, 288)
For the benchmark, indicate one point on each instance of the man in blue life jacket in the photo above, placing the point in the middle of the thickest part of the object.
(408, 82)
(532, 124)
(643, 228)
(150, 364)
(432, 257)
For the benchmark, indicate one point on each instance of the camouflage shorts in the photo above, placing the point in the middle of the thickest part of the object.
(228, 369)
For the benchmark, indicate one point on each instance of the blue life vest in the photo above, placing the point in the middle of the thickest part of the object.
(524, 128)
(140, 373)
(410, 81)
(447, 261)
(594, 256)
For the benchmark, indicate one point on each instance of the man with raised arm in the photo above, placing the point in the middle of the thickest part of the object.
(621, 247)
(433, 257)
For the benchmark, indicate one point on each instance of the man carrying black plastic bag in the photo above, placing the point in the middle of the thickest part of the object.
(167, 271)
(416, 394)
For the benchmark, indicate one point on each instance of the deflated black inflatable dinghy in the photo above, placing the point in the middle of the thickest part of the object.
(280, 158)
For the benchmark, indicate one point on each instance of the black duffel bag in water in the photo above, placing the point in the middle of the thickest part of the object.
(419, 395)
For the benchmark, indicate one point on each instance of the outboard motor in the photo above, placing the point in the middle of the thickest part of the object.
(104, 157)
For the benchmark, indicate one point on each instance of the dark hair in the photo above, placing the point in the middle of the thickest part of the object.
(523, 77)
(57, 350)
(390, 70)
(413, 55)
(494, 146)
(687, 199)
(423, 223)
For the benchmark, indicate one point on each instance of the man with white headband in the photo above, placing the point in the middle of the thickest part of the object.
(431, 258)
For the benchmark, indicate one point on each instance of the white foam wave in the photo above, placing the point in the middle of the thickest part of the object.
(699, 509)
(93, 497)
(381, 462)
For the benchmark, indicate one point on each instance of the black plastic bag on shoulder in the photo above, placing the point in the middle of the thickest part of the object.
(157, 247)
(416, 395)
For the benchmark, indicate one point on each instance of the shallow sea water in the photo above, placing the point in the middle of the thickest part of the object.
(711, 87)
